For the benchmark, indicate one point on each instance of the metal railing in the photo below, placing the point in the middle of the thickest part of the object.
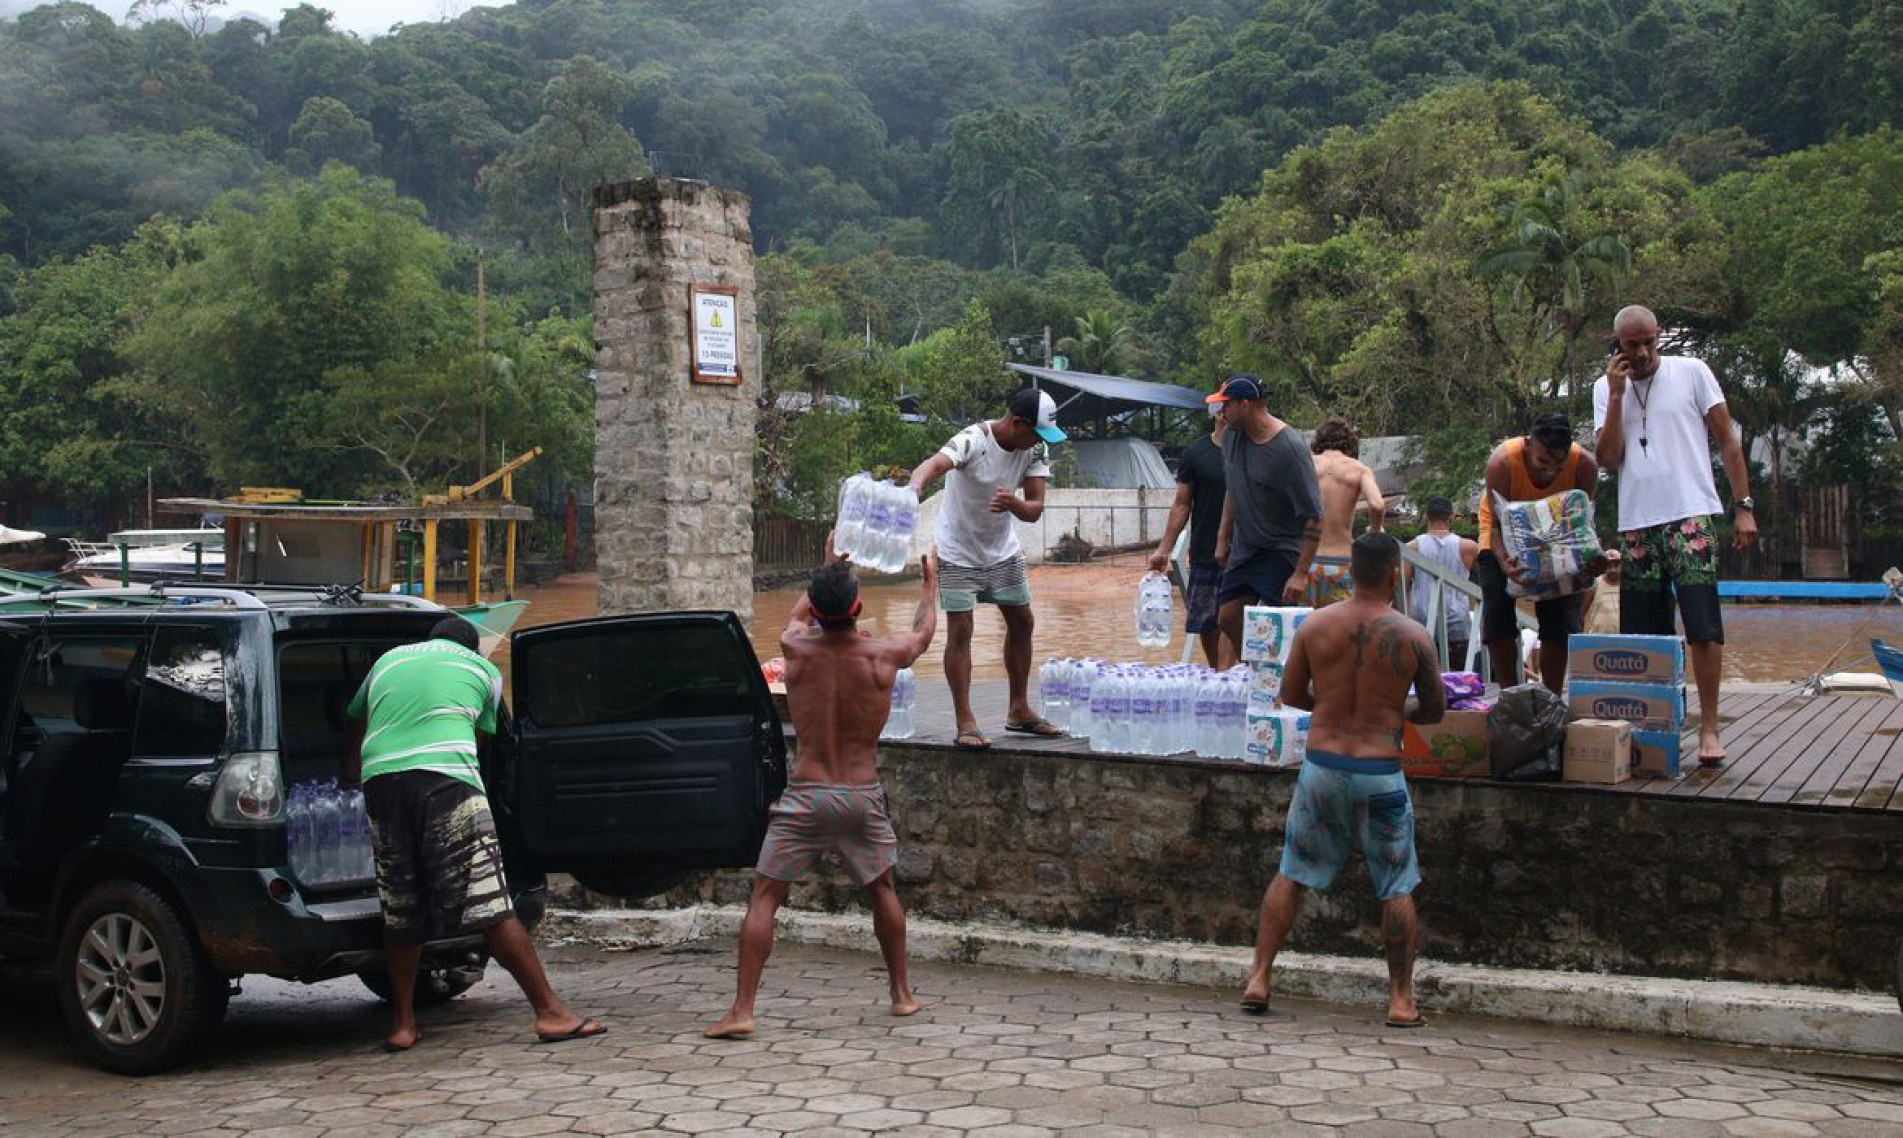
(1437, 613)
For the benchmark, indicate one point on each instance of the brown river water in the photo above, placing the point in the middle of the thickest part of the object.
(1084, 610)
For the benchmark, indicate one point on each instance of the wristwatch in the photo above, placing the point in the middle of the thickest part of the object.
(1747, 503)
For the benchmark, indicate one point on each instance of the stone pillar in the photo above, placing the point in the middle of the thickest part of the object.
(673, 458)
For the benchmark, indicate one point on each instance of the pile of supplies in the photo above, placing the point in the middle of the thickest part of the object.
(1553, 538)
(1626, 698)
(1274, 735)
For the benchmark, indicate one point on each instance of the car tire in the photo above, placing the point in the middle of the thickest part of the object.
(632, 884)
(437, 981)
(135, 987)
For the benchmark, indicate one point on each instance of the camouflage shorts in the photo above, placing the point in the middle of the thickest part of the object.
(439, 863)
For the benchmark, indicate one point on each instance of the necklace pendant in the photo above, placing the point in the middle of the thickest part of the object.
(1644, 442)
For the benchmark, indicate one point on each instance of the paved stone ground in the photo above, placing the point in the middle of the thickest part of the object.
(996, 1053)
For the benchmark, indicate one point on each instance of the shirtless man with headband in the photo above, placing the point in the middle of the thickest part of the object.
(838, 691)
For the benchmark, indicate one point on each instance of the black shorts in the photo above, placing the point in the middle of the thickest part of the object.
(439, 863)
(1261, 577)
(1559, 617)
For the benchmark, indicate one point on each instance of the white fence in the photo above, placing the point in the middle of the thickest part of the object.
(1107, 519)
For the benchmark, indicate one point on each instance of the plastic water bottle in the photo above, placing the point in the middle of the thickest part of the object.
(898, 720)
(359, 862)
(1207, 712)
(870, 550)
(1053, 691)
(904, 525)
(1083, 676)
(298, 831)
(325, 820)
(1235, 713)
(852, 514)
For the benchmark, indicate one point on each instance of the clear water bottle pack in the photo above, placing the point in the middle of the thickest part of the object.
(328, 830)
(1154, 616)
(876, 521)
(901, 719)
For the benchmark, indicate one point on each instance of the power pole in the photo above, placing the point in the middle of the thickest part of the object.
(1047, 346)
(482, 380)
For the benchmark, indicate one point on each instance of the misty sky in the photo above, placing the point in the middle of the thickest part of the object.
(365, 17)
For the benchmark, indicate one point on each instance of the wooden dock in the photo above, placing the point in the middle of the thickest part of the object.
(1828, 752)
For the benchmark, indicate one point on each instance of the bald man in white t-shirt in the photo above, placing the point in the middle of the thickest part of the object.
(1656, 417)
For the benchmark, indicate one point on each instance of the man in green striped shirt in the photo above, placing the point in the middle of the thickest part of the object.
(439, 863)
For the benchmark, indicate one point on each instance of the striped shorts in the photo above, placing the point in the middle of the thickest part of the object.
(439, 862)
(812, 818)
(962, 588)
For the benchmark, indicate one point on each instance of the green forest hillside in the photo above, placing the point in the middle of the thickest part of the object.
(234, 252)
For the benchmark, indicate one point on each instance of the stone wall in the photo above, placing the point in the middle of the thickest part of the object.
(673, 458)
(1555, 877)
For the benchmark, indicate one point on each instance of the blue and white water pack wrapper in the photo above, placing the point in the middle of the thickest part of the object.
(1655, 754)
(1552, 536)
(1268, 632)
(1265, 687)
(1625, 659)
(1648, 707)
(1276, 738)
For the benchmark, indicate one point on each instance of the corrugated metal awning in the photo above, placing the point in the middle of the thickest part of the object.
(1093, 396)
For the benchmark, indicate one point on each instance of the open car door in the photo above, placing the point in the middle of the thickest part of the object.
(644, 746)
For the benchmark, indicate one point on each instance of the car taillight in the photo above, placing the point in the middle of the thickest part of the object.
(249, 792)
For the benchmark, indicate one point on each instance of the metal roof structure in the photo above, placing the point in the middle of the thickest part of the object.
(1093, 397)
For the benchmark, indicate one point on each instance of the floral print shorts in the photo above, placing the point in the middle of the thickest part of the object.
(1682, 552)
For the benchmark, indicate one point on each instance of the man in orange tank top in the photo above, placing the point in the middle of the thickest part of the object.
(1545, 462)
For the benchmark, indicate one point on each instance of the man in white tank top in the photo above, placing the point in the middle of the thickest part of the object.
(1441, 545)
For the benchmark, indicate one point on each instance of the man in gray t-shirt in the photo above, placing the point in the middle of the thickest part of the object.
(1272, 521)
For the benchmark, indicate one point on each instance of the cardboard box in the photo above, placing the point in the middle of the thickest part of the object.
(1265, 687)
(1626, 659)
(1650, 707)
(1454, 747)
(1276, 738)
(1268, 632)
(1655, 754)
(1598, 750)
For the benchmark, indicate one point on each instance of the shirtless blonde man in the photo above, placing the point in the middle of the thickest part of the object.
(1351, 667)
(1346, 483)
(838, 691)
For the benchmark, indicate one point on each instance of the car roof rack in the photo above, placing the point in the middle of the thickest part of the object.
(237, 595)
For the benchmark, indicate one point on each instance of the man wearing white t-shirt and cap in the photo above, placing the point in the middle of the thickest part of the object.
(979, 556)
(1656, 416)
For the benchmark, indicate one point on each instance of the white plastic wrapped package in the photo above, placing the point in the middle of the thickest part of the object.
(1554, 538)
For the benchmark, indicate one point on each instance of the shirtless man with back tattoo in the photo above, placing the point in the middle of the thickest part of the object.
(1351, 666)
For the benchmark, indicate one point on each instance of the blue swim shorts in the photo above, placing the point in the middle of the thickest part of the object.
(1341, 802)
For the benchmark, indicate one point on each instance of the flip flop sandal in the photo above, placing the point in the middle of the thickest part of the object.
(586, 1029)
(982, 744)
(1042, 728)
(1418, 1021)
(1254, 1007)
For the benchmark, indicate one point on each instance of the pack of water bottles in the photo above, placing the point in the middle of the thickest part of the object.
(875, 523)
(901, 720)
(1154, 611)
(329, 833)
(1141, 709)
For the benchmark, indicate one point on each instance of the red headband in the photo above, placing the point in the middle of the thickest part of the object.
(849, 614)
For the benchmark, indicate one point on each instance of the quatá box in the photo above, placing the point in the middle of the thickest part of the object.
(1276, 738)
(1268, 632)
(1598, 750)
(1655, 754)
(1265, 687)
(1454, 747)
(1651, 707)
(1626, 659)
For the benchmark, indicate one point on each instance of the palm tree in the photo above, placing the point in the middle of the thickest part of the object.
(1101, 345)
(1553, 272)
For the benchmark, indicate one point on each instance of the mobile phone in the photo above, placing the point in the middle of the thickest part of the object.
(1612, 347)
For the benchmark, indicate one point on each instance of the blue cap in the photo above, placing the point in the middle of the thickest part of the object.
(1244, 386)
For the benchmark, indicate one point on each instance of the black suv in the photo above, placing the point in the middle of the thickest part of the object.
(143, 843)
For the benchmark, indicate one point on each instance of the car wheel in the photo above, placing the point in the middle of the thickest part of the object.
(438, 981)
(135, 987)
(651, 881)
